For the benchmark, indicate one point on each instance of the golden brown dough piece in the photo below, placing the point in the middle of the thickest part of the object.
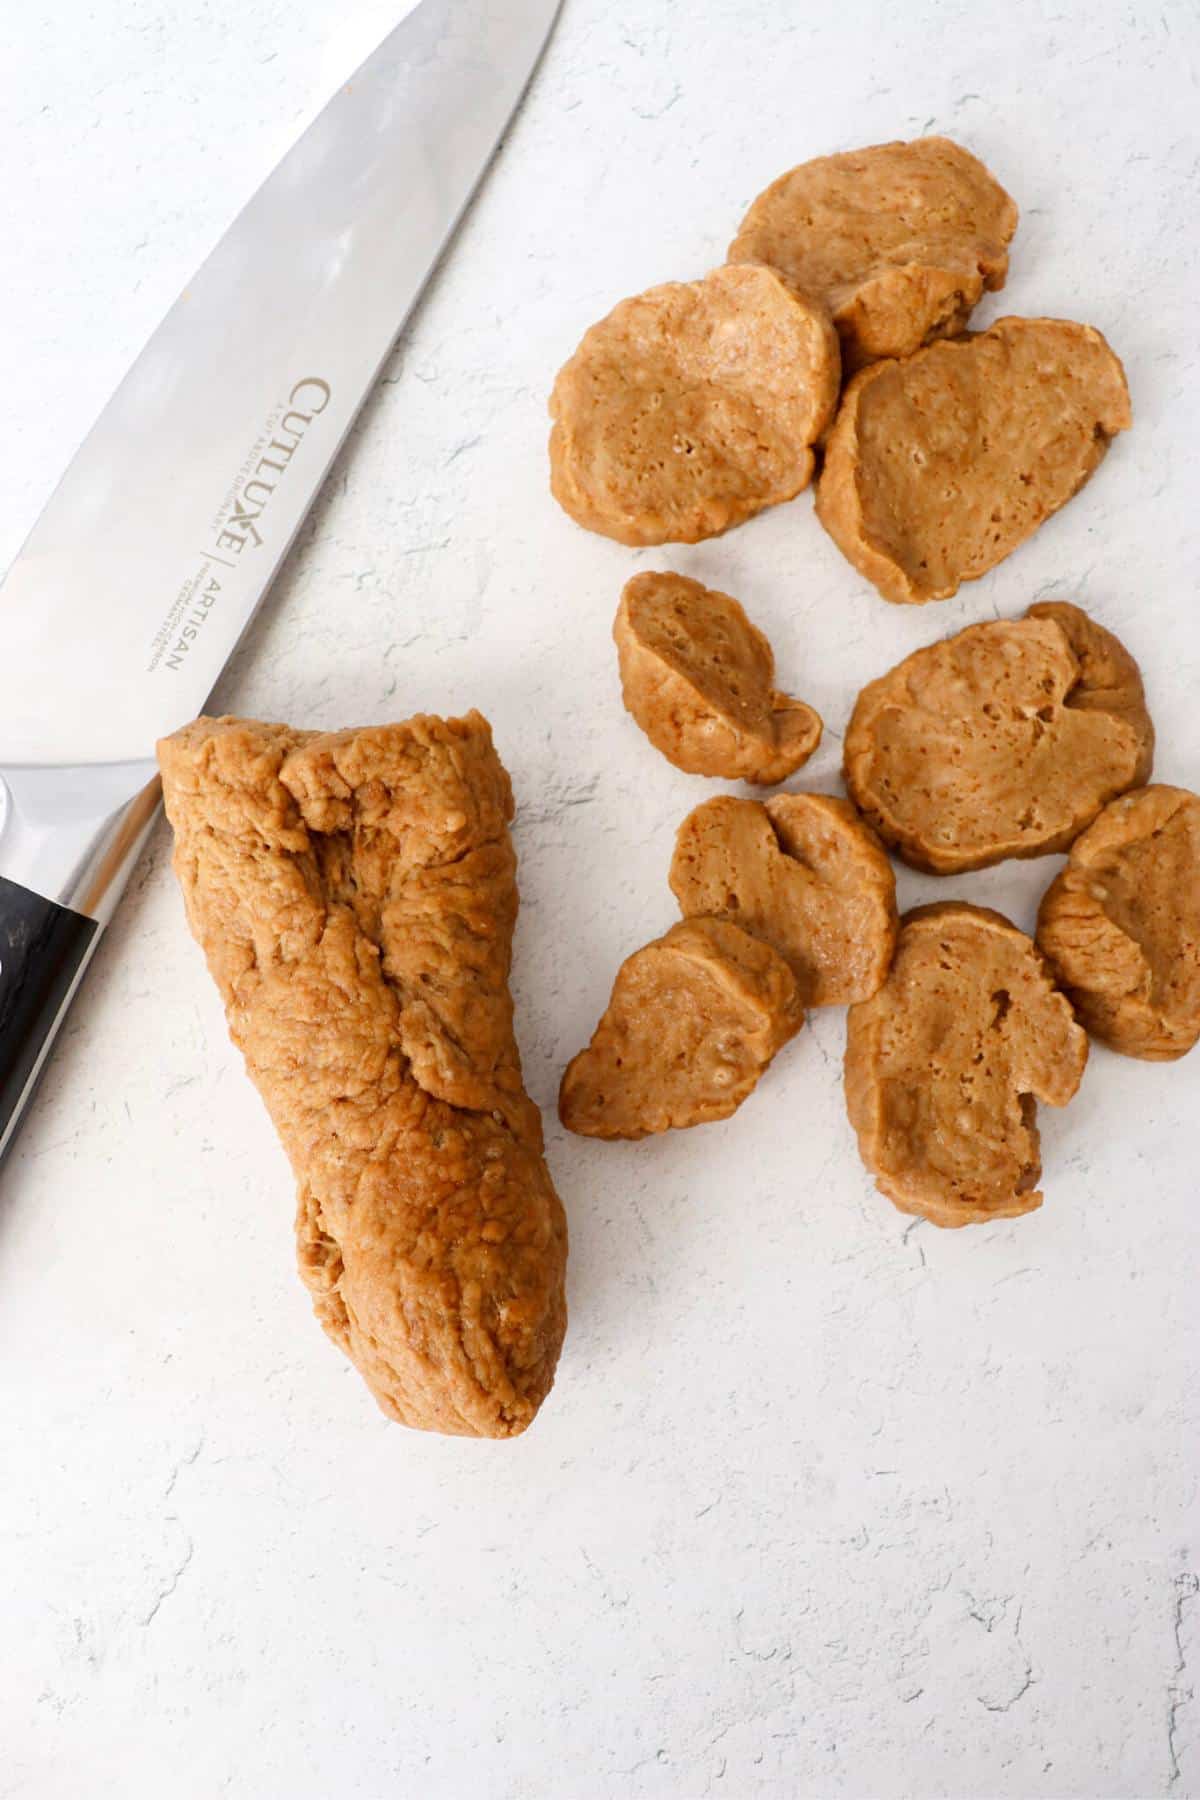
(1121, 924)
(944, 1064)
(801, 872)
(694, 1019)
(691, 407)
(1004, 740)
(938, 467)
(697, 676)
(899, 241)
(354, 893)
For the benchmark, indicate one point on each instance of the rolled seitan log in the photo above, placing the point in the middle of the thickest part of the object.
(355, 895)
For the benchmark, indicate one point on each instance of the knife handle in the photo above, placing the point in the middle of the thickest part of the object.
(44, 949)
(69, 837)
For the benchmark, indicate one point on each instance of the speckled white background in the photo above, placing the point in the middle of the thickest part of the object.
(824, 1502)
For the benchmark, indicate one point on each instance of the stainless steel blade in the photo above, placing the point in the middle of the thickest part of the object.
(167, 528)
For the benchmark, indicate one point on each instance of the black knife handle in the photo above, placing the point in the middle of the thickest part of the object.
(43, 949)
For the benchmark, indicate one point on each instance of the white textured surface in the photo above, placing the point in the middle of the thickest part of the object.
(824, 1502)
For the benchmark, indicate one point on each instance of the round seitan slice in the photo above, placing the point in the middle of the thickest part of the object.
(1003, 740)
(939, 466)
(1121, 924)
(694, 1019)
(805, 874)
(698, 678)
(944, 1066)
(692, 407)
(899, 241)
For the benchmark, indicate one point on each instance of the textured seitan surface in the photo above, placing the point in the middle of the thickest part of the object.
(692, 407)
(898, 241)
(939, 466)
(355, 896)
(694, 1019)
(698, 678)
(803, 873)
(1004, 740)
(1121, 924)
(945, 1064)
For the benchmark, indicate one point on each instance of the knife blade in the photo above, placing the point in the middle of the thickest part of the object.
(168, 527)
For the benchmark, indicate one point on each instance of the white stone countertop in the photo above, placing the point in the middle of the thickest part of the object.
(824, 1502)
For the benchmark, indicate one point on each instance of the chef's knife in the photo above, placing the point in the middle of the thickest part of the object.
(167, 529)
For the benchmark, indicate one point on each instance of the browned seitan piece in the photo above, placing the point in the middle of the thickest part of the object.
(945, 1064)
(692, 407)
(1003, 740)
(939, 466)
(1121, 924)
(898, 241)
(694, 1019)
(699, 679)
(803, 873)
(354, 893)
